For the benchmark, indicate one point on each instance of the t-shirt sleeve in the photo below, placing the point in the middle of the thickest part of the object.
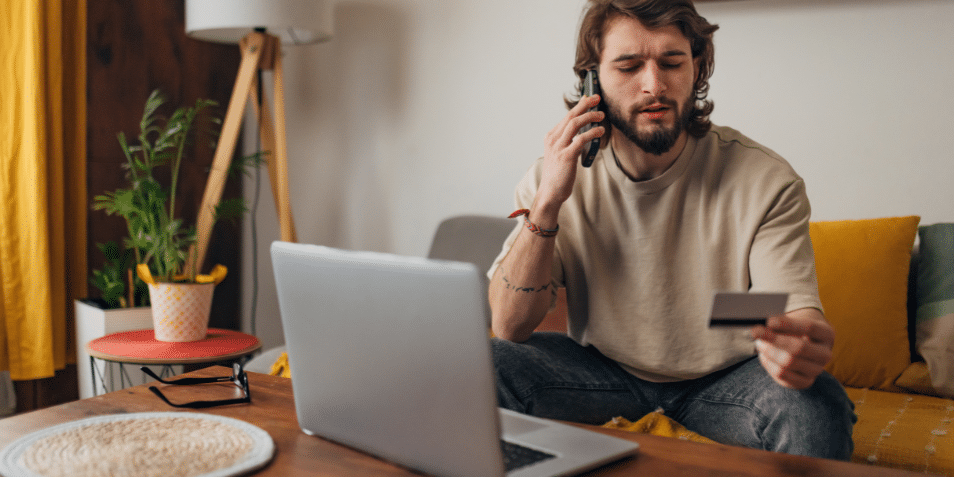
(781, 257)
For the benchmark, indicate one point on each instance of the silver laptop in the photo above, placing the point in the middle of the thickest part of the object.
(391, 355)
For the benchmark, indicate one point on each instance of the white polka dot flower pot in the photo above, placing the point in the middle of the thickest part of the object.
(180, 311)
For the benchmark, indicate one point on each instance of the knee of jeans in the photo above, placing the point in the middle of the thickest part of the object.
(838, 405)
(538, 345)
(513, 361)
(503, 350)
(520, 368)
(510, 357)
(821, 418)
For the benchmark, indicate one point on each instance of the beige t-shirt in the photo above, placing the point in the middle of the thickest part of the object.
(641, 260)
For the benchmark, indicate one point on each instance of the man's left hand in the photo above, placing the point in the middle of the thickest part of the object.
(795, 347)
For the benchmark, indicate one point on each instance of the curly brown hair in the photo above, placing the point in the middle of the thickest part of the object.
(653, 14)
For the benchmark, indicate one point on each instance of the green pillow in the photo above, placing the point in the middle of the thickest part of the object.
(935, 305)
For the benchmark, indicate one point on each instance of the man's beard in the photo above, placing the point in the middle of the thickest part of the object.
(660, 139)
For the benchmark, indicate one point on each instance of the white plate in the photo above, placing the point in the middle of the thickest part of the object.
(260, 453)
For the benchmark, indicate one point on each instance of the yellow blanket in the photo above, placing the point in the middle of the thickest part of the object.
(657, 424)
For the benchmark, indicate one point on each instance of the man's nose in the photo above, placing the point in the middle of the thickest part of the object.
(653, 80)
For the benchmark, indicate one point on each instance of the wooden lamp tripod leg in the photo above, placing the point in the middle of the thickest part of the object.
(280, 170)
(277, 159)
(253, 46)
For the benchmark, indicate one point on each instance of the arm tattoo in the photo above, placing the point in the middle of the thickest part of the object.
(515, 288)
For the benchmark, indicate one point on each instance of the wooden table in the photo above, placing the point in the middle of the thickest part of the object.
(298, 454)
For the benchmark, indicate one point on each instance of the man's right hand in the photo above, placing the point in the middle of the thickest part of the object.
(562, 149)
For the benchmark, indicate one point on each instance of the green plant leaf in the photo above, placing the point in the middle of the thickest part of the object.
(155, 236)
(230, 209)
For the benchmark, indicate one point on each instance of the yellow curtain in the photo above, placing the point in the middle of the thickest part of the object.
(42, 182)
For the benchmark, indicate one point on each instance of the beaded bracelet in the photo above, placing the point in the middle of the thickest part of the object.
(532, 226)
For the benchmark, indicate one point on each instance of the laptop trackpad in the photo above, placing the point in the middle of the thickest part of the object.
(516, 425)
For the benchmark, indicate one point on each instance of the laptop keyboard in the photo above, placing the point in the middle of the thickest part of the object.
(517, 456)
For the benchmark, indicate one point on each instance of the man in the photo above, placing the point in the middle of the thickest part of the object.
(672, 210)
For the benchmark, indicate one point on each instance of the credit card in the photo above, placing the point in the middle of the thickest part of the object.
(745, 309)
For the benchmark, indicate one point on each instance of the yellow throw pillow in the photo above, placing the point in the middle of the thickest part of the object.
(862, 268)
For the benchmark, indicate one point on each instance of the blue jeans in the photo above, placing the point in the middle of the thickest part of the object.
(552, 376)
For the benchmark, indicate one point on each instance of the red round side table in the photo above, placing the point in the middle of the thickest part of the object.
(141, 347)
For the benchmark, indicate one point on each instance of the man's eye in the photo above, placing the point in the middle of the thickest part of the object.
(671, 66)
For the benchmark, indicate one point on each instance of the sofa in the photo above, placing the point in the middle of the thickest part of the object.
(887, 286)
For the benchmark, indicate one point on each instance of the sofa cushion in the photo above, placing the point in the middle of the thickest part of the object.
(903, 431)
(935, 305)
(916, 378)
(862, 268)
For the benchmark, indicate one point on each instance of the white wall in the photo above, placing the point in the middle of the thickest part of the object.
(423, 109)
(854, 93)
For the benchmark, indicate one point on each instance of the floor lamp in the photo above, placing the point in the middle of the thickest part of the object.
(260, 27)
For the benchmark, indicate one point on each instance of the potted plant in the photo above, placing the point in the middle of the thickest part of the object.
(158, 241)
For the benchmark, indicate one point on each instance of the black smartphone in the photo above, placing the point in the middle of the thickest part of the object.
(590, 86)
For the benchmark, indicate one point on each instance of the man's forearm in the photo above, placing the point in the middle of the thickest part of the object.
(520, 290)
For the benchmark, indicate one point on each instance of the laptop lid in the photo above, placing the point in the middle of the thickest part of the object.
(390, 355)
(386, 356)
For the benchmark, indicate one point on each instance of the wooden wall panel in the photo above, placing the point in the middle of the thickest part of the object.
(134, 47)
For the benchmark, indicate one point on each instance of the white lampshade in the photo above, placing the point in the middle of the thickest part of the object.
(228, 21)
